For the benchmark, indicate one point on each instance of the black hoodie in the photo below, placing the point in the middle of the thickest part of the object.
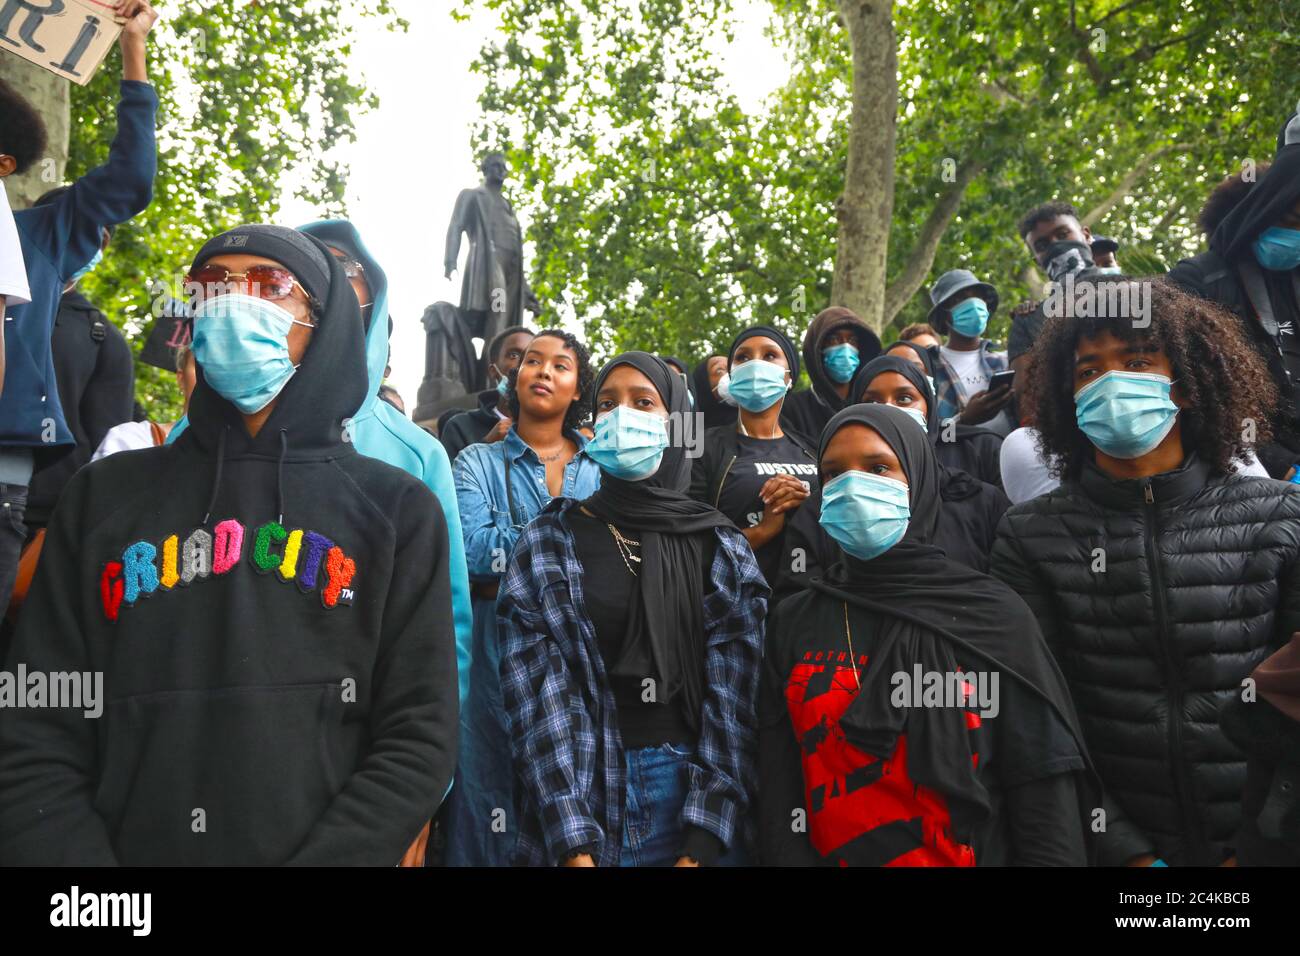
(1267, 302)
(808, 412)
(251, 715)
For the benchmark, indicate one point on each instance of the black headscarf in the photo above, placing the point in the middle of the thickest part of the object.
(920, 350)
(777, 336)
(925, 607)
(715, 412)
(954, 484)
(665, 631)
(1273, 197)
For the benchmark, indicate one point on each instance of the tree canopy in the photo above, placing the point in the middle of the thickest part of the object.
(249, 94)
(664, 215)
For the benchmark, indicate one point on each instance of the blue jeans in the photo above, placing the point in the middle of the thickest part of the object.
(656, 791)
(480, 818)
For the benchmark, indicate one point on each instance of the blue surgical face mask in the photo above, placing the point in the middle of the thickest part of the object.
(867, 514)
(1278, 249)
(1110, 270)
(970, 317)
(757, 385)
(503, 384)
(241, 343)
(1126, 414)
(918, 415)
(629, 443)
(95, 260)
(841, 362)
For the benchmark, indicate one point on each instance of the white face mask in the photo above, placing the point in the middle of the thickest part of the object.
(724, 390)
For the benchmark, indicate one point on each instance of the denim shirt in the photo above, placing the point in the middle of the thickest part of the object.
(489, 528)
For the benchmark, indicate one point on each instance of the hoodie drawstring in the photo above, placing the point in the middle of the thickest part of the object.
(279, 474)
(216, 483)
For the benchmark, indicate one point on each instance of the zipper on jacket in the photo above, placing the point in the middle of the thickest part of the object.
(1173, 677)
(723, 480)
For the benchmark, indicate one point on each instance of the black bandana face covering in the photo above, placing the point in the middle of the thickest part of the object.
(1066, 257)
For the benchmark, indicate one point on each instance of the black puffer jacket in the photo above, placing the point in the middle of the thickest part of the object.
(1201, 583)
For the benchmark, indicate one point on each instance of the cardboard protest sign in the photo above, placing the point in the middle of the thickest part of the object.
(67, 37)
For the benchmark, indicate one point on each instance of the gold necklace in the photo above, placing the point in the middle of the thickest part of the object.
(625, 546)
(848, 635)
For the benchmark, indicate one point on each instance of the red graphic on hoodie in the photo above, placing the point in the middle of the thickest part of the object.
(862, 809)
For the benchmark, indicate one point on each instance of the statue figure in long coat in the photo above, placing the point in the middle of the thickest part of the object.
(493, 292)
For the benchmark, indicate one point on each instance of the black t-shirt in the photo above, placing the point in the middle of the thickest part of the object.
(607, 590)
(757, 461)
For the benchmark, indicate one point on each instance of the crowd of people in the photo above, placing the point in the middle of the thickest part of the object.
(951, 605)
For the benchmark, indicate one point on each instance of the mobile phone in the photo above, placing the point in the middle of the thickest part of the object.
(1001, 379)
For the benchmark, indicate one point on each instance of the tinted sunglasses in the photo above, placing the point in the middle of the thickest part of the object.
(267, 282)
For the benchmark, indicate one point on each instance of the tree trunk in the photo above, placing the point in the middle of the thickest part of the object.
(49, 95)
(866, 206)
(921, 259)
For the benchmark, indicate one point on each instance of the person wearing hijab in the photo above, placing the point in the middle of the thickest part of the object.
(631, 633)
(836, 344)
(971, 509)
(1252, 268)
(902, 727)
(501, 487)
(705, 380)
(270, 610)
(973, 449)
(752, 470)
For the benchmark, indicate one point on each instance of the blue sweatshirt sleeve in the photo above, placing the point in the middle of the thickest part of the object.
(68, 230)
(437, 475)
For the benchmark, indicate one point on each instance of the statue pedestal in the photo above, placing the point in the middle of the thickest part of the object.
(453, 374)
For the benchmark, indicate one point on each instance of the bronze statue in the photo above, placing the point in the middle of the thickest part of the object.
(493, 292)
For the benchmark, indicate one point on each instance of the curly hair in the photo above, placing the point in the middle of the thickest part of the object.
(581, 405)
(22, 131)
(1224, 380)
(1041, 213)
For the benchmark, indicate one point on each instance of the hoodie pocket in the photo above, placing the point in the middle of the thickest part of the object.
(231, 776)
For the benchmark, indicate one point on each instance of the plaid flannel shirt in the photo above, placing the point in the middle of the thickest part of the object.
(949, 392)
(564, 736)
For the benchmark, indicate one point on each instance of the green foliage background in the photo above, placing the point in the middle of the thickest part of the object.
(248, 92)
(665, 216)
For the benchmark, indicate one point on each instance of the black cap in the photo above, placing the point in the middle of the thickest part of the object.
(302, 255)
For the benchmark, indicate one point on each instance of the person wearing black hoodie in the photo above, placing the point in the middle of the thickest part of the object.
(491, 420)
(1252, 268)
(270, 610)
(835, 345)
(880, 770)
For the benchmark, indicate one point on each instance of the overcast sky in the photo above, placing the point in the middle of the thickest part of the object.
(413, 153)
